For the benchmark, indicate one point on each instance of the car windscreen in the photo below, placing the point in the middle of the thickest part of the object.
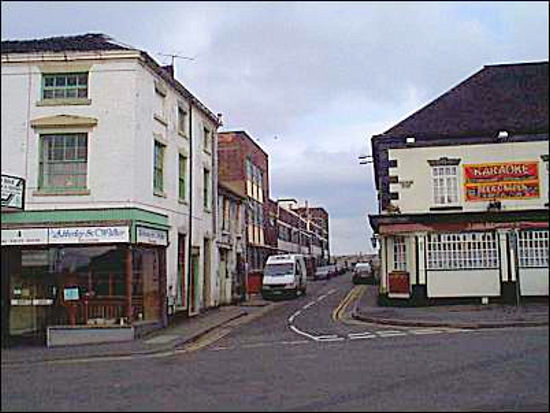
(276, 270)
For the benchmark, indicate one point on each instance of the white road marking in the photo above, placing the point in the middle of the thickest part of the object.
(326, 336)
(302, 333)
(330, 339)
(322, 297)
(365, 333)
(360, 337)
(305, 307)
(390, 333)
(426, 331)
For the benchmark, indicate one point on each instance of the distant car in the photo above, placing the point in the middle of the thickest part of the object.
(362, 273)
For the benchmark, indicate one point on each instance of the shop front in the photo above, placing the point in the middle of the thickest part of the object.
(94, 276)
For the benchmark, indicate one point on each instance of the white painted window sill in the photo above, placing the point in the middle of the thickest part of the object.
(160, 119)
(72, 192)
(62, 102)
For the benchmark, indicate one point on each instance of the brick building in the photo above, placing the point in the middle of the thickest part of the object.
(243, 165)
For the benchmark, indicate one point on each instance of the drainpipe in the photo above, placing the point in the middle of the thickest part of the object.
(190, 225)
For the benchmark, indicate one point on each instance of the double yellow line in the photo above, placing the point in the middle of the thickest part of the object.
(353, 295)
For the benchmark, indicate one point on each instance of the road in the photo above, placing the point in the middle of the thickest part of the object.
(304, 355)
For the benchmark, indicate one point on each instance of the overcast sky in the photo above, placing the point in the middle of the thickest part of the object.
(311, 82)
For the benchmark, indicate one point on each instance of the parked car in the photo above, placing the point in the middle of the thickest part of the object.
(363, 273)
(321, 273)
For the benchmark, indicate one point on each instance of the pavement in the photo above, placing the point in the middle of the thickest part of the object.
(366, 309)
(176, 335)
(529, 313)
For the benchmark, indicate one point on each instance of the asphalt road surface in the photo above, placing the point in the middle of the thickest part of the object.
(304, 355)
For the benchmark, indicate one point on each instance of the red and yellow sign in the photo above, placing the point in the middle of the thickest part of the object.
(501, 180)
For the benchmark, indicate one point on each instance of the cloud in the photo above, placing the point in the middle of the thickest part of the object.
(322, 77)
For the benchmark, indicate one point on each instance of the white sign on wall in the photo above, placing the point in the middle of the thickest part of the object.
(27, 236)
(151, 236)
(88, 235)
(13, 189)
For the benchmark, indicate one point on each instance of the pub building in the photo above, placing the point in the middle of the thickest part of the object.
(463, 193)
(98, 275)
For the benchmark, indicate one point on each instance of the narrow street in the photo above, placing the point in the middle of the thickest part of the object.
(304, 355)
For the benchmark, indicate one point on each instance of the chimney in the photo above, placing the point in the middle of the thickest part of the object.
(169, 69)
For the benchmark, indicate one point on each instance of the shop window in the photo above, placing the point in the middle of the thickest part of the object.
(65, 86)
(63, 161)
(462, 251)
(399, 254)
(533, 249)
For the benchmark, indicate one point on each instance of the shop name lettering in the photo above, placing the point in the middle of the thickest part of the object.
(513, 170)
(87, 233)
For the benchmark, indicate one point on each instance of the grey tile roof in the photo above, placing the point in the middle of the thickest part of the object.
(512, 97)
(85, 42)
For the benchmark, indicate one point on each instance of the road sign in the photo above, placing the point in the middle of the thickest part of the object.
(13, 192)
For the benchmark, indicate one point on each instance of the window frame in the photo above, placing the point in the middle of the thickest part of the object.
(182, 121)
(206, 139)
(53, 88)
(449, 192)
(158, 181)
(533, 248)
(43, 162)
(399, 253)
(182, 177)
(462, 251)
(206, 196)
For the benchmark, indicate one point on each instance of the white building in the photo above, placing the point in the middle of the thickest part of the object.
(463, 190)
(117, 156)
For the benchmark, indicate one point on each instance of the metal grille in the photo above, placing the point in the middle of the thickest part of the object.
(533, 248)
(473, 250)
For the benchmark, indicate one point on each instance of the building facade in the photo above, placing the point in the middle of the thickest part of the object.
(117, 156)
(243, 165)
(303, 230)
(463, 191)
(231, 244)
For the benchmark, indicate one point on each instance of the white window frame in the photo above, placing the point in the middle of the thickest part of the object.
(462, 251)
(399, 254)
(445, 184)
(533, 249)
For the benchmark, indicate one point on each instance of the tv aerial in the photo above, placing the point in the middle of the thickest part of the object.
(174, 56)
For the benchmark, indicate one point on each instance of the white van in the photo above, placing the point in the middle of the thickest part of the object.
(283, 275)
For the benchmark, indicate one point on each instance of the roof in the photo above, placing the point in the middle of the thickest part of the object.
(511, 97)
(85, 42)
(246, 135)
(99, 42)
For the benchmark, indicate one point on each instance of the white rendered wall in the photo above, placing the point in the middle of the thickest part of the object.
(412, 165)
(533, 281)
(464, 283)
